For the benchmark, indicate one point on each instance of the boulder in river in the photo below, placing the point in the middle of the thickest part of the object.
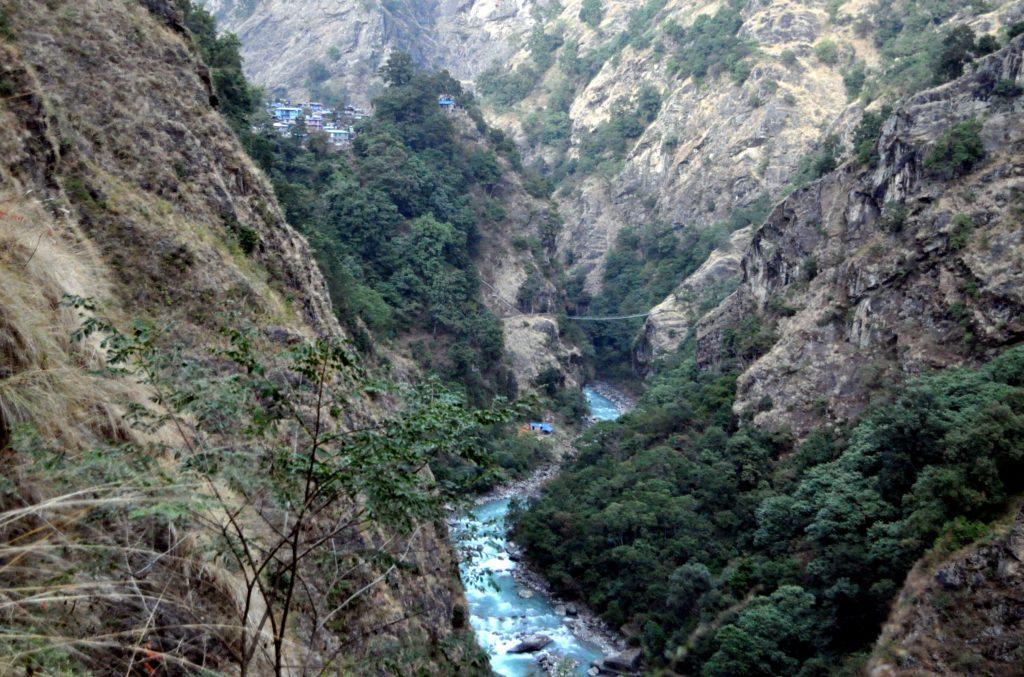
(525, 594)
(625, 663)
(531, 644)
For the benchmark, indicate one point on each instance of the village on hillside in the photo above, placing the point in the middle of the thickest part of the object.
(302, 118)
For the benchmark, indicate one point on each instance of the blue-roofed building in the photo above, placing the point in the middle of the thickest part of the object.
(446, 102)
(545, 428)
(287, 113)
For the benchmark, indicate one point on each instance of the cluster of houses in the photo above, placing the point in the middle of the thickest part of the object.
(338, 125)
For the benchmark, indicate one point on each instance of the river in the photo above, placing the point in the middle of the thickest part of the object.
(499, 613)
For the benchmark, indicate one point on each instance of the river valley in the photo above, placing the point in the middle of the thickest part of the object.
(503, 610)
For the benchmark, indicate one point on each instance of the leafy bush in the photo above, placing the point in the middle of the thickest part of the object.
(916, 51)
(507, 87)
(854, 79)
(957, 49)
(957, 151)
(822, 160)
(711, 45)
(1007, 89)
(866, 136)
(543, 47)
(236, 100)
(591, 13)
(610, 140)
(827, 52)
(894, 217)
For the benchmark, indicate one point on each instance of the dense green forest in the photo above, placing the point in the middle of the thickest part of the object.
(682, 511)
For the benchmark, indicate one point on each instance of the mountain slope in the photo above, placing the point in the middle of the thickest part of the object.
(338, 48)
(124, 190)
(745, 92)
(873, 275)
(855, 402)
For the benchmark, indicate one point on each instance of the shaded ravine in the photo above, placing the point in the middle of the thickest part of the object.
(503, 611)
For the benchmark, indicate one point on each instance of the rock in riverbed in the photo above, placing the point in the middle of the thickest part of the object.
(625, 663)
(531, 644)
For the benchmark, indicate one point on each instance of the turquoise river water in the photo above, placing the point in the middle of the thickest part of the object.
(500, 617)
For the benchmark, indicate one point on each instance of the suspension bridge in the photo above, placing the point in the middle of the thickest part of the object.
(578, 318)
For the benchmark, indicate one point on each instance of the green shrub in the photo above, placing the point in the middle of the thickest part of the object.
(5, 25)
(543, 47)
(986, 45)
(1007, 89)
(610, 140)
(591, 13)
(963, 226)
(894, 217)
(957, 49)
(507, 87)
(247, 239)
(957, 151)
(916, 50)
(819, 162)
(866, 136)
(827, 52)
(711, 45)
(854, 79)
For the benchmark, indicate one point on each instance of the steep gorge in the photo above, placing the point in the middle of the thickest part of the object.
(866, 275)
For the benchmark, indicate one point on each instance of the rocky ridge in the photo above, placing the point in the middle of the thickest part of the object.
(715, 147)
(672, 320)
(281, 39)
(506, 257)
(961, 615)
(869, 276)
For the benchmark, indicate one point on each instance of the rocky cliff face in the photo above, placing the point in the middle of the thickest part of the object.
(871, 276)
(282, 39)
(672, 320)
(715, 147)
(512, 255)
(963, 614)
(120, 181)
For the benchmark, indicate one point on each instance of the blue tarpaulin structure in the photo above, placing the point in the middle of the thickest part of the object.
(545, 428)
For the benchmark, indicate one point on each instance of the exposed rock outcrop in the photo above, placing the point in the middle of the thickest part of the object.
(962, 615)
(534, 346)
(867, 276)
(282, 38)
(672, 320)
(715, 147)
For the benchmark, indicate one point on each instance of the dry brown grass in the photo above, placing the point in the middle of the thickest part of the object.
(44, 378)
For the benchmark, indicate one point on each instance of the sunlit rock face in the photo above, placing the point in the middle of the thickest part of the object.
(285, 42)
(867, 277)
